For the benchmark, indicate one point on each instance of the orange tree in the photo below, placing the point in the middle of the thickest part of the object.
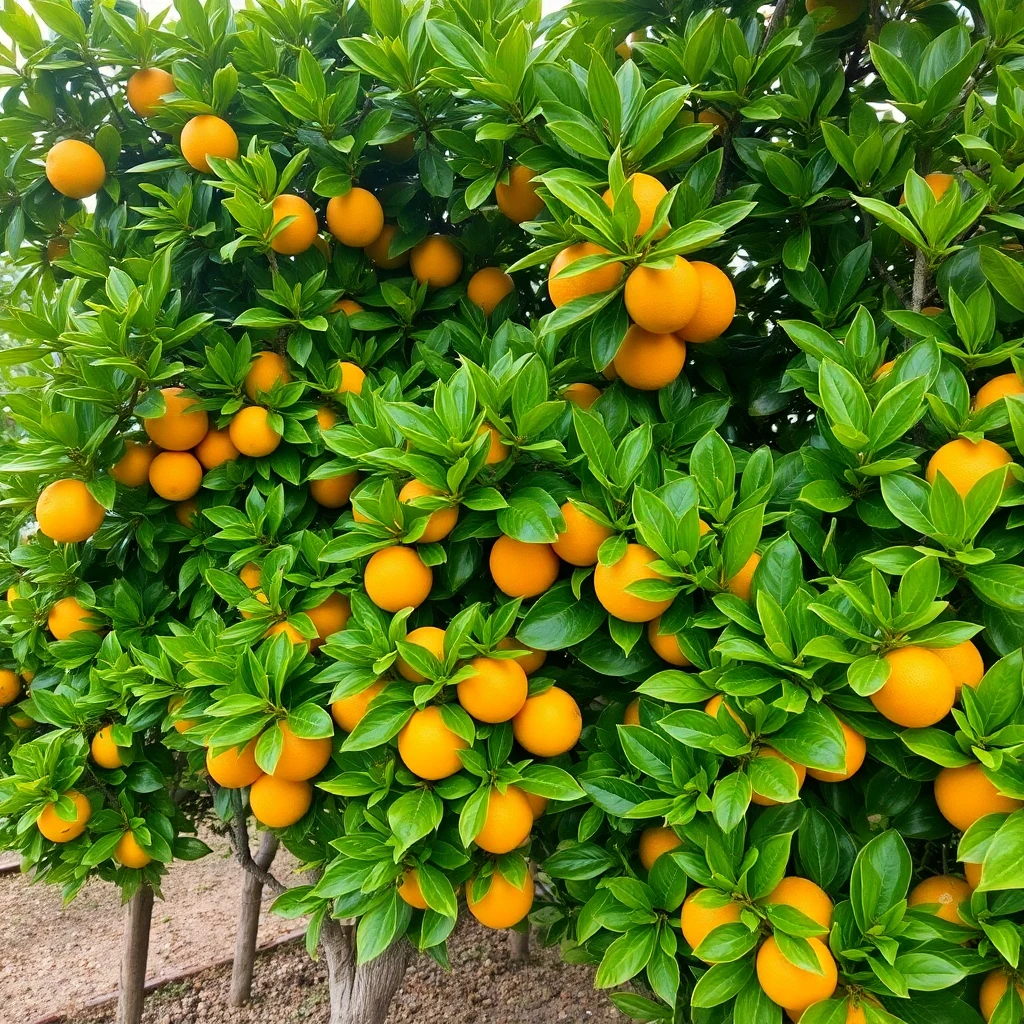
(388, 426)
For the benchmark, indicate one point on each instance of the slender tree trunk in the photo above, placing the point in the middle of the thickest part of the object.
(138, 914)
(360, 994)
(519, 945)
(249, 923)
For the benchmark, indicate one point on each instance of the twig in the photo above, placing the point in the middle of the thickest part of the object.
(890, 279)
(103, 88)
(240, 841)
(774, 23)
(920, 281)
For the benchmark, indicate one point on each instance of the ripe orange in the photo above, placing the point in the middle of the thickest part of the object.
(352, 378)
(701, 915)
(429, 637)
(792, 987)
(410, 890)
(647, 193)
(104, 750)
(885, 368)
(611, 581)
(648, 361)
(654, 841)
(548, 724)
(631, 716)
(301, 758)
(802, 894)
(712, 708)
(496, 691)
(997, 388)
(348, 307)
(578, 543)
(176, 475)
(801, 774)
(268, 369)
(397, 578)
(180, 724)
(75, 169)
(538, 804)
(919, 691)
(963, 463)
(711, 116)
(503, 905)
(377, 251)
(992, 989)
(10, 687)
(582, 394)
(939, 183)
(498, 451)
(279, 803)
(285, 627)
(846, 12)
(964, 661)
(129, 854)
(972, 872)
(439, 523)
(67, 617)
(716, 306)
(326, 418)
(146, 88)
(205, 136)
(508, 822)
(530, 660)
(487, 287)
(132, 469)
(215, 449)
(356, 218)
(235, 767)
(251, 433)
(966, 794)
(520, 569)
(428, 748)
(741, 583)
(436, 261)
(856, 751)
(56, 829)
(181, 426)
(300, 234)
(946, 892)
(518, 200)
(67, 513)
(185, 512)
(349, 711)
(590, 282)
(333, 491)
(666, 645)
(249, 574)
(663, 301)
(330, 616)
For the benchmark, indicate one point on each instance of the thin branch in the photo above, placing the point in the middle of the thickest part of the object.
(91, 64)
(774, 23)
(890, 279)
(921, 281)
(240, 841)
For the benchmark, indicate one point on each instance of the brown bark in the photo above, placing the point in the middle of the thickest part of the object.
(360, 994)
(138, 914)
(249, 923)
(519, 945)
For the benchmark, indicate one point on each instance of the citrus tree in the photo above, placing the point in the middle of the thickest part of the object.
(401, 468)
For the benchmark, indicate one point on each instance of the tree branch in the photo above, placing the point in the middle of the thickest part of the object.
(890, 279)
(774, 23)
(240, 841)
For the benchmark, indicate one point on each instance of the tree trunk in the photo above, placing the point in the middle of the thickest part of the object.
(138, 914)
(249, 923)
(360, 995)
(519, 945)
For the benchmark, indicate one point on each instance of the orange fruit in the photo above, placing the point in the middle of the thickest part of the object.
(578, 543)
(330, 616)
(801, 774)
(285, 627)
(963, 463)
(400, 150)
(352, 378)
(333, 491)
(611, 581)
(251, 433)
(215, 449)
(487, 287)
(250, 574)
(972, 872)
(713, 117)
(10, 687)
(741, 583)
(75, 169)
(129, 854)
(582, 394)
(666, 645)
(132, 469)
(538, 804)
(410, 890)
(966, 794)
(67, 512)
(648, 361)
(997, 388)
(146, 88)
(176, 476)
(939, 183)
(235, 767)
(520, 569)
(377, 251)
(503, 905)
(856, 750)
(885, 368)
(498, 451)
(428, 748)
(548, 724)
(67, 617)
(301, 758)
(964, 661)
(180, 724)
(647, 193)
(267, 370)
(992, 989)
(700, 916)
(496, 691)
(348, 307)
(436, 262)
(204, 136)
(602, 279)
(104, 750)
(663, 301)
(397, 578)
(716, 306)
(792, 987)
(944, 892)
(326, 418)
(713, 705)
(56, 829)
(349, 711)
(181, 426)
(846, 12)
(301, 233)
(530, 660)
(518, 200)
(631, 716)
(919, 691)
(439, 523)
(279, 803)
(356, 218)
(429, 637)
(654, 841)
(508, 822)
(185, 512)
(803, 895)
